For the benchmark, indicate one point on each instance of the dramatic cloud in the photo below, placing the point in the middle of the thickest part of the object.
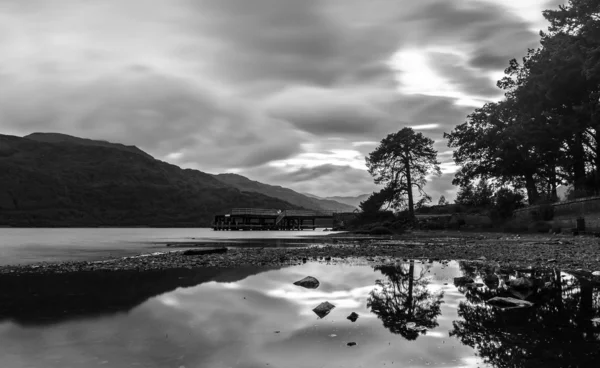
(288, 92)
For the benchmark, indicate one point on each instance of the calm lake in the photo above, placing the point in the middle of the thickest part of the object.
(410, 315)
(30, 245)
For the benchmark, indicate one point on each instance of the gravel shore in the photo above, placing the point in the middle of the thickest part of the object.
(532, 250)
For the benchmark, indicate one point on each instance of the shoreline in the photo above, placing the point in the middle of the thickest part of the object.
(566, 252)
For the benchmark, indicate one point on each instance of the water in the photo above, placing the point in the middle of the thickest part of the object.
(30, 245)
(410, 315)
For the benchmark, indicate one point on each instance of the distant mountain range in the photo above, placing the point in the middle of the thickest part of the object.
(51, 179)
(350, 201)
(288, 195)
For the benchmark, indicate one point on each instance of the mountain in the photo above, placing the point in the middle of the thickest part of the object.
(351, 201)
(285, 194)
(64, 138)
(58, 180)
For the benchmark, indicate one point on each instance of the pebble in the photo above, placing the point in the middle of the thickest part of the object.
(581, 252)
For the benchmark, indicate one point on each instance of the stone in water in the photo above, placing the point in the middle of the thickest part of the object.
(308, 282)
(352, 317)
(323, 309)
(509, 302)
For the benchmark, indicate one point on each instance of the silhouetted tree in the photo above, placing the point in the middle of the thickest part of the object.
(480, 195)
(442, 201)
(546, 131)
(401, 162)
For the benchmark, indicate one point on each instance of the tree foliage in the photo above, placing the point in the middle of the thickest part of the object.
(442, 201)
(546, 131)
(402, 162)
(480, 195)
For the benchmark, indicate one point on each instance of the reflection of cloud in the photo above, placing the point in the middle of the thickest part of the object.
(215, 324)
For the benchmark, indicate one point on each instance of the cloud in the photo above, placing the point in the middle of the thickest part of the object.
(163, 115)
(326, 178)
(222, 85)
(326, 111)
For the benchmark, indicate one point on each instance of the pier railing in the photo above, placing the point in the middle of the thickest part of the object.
(276, 213)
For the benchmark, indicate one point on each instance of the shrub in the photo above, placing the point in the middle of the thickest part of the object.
(515, 226)
(544, 212)
(380, 230)
(539, 227)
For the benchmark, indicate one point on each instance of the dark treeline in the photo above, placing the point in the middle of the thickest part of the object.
(546, 131)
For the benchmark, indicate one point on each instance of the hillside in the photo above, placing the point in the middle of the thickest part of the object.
(351, 201)
(285, 194)
(93, 183)
(64, 138)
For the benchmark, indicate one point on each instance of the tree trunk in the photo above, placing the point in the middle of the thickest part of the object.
(411, 206)
(597, 156)
(553, 193)
(578, 163)
(532, 193)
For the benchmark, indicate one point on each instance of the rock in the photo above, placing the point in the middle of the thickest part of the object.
(596, 321)
(491, 280)
(323, 309)
(200, 252)
(352, 317)
(352, 343)
(521, 283)
(482, 258)
(413, 326)
(509, 302)
(552, 260)
(596, 273)
(308, 282)
(461, 281)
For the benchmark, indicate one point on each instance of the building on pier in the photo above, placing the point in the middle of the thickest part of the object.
(269, 219)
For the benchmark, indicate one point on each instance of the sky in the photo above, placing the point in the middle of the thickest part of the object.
(286, 92)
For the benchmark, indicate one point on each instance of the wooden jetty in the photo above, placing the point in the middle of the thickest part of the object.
(268, 219)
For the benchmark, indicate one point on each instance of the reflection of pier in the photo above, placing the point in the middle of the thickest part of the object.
(268, 219)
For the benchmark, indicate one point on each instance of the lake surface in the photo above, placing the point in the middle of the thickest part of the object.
(410, 315)
(30, 245)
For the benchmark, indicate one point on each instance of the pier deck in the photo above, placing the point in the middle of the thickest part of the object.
(268, 219)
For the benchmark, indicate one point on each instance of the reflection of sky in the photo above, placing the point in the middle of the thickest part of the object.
(233, 325)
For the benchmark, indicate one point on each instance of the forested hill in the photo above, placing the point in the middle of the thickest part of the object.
(68, 181)
(286, 194)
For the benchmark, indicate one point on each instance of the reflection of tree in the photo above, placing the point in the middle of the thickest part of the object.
(557, 332)
(403, 298)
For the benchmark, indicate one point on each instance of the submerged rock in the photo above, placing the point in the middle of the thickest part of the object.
(323, 309)
(509, 302)
(352, 317)
(199, 252)
(491, 280)
(308, 282)
(462, 281)
(413, 326)
(521, 283)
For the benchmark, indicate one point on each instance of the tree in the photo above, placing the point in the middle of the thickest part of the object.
(506, 201)
(546, 131)
(401, 162)
(442, 201)
(480, 195)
